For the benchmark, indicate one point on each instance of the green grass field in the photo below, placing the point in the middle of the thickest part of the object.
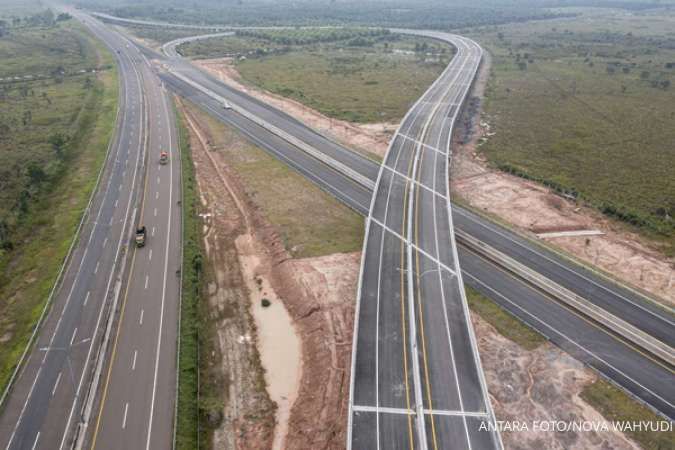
(44, 192)
(359, 79)
(587, 106)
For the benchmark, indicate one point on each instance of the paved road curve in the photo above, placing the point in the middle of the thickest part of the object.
(613, 358)
(416, 375)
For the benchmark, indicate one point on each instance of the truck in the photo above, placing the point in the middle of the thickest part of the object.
(163, 157)
(140, 236)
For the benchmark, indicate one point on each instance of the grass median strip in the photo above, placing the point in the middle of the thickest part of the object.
(187, 421)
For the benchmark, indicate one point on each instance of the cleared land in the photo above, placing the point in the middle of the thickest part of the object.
(54, 132)
(586, 106)
(359, 78)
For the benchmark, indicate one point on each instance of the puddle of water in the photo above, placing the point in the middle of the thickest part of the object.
(278, 344)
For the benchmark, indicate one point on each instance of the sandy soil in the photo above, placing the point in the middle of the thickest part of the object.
(533, 208)
(318, 293)
(366, 138)
(278, 341)
(542, 385)
(248, 413)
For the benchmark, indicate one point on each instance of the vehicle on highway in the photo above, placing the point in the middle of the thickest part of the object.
(163, 157)
(140, 236)
(227, 105)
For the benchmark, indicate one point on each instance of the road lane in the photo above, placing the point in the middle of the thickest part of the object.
(38, 405)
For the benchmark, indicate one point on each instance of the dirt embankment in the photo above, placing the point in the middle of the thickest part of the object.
(249, 261)
(234, 364)
(366, 138)
(533, 208)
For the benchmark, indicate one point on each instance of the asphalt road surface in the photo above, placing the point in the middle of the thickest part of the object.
(46, 398)
(49, 396)
(615, 359)
(416, 375)
(136, 409)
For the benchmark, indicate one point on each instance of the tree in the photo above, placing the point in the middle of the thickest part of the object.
(58, 143)
(36, 174)
(522, 65)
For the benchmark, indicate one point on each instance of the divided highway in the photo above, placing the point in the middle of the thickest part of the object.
(590, 342)
(136, 408)
(51, 404)
(416, 375)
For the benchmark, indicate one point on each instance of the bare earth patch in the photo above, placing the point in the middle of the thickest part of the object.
(540, 385)
(370, 139)
(248, 412)
(318, 293)
(533, 208)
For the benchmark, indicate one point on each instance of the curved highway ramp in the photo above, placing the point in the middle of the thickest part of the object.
(416, 375)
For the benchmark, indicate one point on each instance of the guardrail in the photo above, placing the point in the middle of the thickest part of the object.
(334, 164)
(615, 324)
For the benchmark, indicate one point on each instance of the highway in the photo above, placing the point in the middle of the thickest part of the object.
(635, 308)
(134, 408)
(50, 401)
(412, 314)
(611, 356)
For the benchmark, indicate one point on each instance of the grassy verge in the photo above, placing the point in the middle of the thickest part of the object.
(506, 324)
(311, 222)
(586, 107)
(615, 405)
(187, 423)
(85, 111)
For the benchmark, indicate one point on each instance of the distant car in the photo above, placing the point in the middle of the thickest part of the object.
(140, 236)
(163, 158)
(227, 105)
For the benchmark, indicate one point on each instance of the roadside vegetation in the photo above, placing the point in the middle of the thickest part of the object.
(615, 405)
(188, 432)
(357, 75)
(309, 221)
(432, 14)
(58, 103)
(504, 322)
(586, 107)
